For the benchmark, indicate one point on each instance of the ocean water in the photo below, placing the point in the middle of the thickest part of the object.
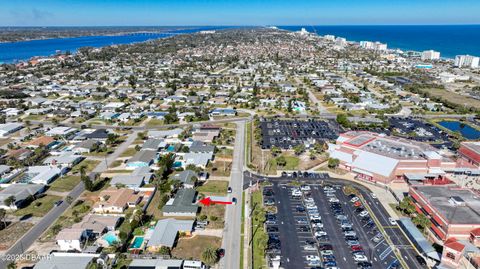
(24, 50)
(449, 40)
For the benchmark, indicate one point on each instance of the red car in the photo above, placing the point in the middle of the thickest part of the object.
(357, 203)
(356, 248)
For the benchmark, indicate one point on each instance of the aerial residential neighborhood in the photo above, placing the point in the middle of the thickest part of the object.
(241, 147)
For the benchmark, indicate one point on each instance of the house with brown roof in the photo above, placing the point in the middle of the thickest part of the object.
(46, 141)
(116, 201)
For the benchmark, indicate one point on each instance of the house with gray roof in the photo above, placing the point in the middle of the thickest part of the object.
(187, 177)
(165, 133)
(155, 264)
(199, 159)
(143, 158)
(166, 233)
(21, 192)
(183, 204)
(130, 181)
(65, 262)
(67, 160)
(198, 146)
(154, 144)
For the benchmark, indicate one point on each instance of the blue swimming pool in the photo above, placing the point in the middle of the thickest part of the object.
(171, 148)
(137, 242)
(111, 238)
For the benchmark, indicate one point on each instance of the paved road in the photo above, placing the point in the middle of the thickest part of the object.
(233, 214)
(36, 231)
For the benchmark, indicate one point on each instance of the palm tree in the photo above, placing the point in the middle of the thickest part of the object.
(209, 256)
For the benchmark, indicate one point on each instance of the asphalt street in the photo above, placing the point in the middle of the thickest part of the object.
(233, 213)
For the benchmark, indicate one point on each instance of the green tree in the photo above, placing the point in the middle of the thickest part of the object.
(407, 206)
(421, 221)
(281, 161)
(209, 256)
(10, 200)
(164, 250)
(275, 150)
(3, 214)
(299, 149)
(333, 163)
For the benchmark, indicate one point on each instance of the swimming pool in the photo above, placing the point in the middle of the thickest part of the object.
(177, 164)
(111, 238)
(171, 148)
(137, 242)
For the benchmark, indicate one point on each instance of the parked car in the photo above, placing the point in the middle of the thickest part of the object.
(360, 258)
(392, 221)
(421, 260)
(312, 258)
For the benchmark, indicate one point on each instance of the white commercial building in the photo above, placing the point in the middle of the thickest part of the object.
(373, 45)
(430, 55)
(9, 128)
(467, 61)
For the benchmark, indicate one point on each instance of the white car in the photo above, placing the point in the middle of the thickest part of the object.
(350, 233)
(364, 213)
(374, 196)
(392, 221)
(305, 188)
(360, 258)
(309, 200)
(320, 233)
(333, 200)
(318, 225)
(312, 258)
(326, 252)
(309, 248)
(354, 199)
(315, 217)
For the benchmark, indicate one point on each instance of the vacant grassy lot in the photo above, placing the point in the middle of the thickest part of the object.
(64, 184)
(220, 168)
(215, 214)
(192, 248)
(12, 233)
(39, 207)
(214, 187)
(453, 97)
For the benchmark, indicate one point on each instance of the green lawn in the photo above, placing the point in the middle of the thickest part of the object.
(291, 164)
(64, 184)
(129, 152)
(39, 207)
(260, 237)
(154, 122)
(214, 187)
(89, 164)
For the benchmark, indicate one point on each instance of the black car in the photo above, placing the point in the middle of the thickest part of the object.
(221, 252)
(325, 247)
(421, 260)
(272, 229)
(364, 265)
(300, 208)
(351, 237)
(304, 229)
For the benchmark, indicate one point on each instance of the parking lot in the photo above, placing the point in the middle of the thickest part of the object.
(294, 234)
(288, 133)
(424, 131)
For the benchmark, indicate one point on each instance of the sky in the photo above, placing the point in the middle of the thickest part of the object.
(236, 12)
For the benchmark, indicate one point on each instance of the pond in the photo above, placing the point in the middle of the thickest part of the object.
(465, 130)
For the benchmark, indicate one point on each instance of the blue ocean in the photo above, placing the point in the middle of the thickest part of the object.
(449, 40)
(24, 50)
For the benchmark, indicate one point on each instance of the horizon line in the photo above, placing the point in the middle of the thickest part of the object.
(239, 25)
